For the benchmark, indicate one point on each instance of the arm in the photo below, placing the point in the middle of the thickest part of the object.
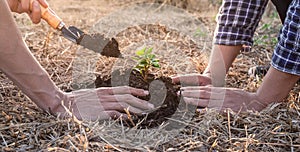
(233, 31)
(276, 86)
(17, 62)
(20, 66)
(221, 59)
(278, 82)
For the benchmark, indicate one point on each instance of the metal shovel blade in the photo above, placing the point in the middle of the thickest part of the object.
(97, 42)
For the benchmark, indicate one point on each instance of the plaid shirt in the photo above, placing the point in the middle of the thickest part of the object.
(238, 20)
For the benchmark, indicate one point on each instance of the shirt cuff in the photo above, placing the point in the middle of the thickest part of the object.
(286, 60)
(226, 35)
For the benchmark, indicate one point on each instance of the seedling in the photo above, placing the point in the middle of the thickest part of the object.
(145, 60)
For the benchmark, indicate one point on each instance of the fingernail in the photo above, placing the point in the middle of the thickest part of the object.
(151, 105)
(146, 92)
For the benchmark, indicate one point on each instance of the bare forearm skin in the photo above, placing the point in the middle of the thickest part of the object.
(220, 61)
(276, 86)
(17, 62)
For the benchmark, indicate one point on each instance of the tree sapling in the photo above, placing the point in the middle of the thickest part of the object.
(145, 60)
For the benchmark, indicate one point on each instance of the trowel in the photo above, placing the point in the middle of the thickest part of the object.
(97, 42)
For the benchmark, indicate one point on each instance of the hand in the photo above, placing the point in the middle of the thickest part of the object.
(23, 6)
(192, 80)
(102, 103)
(222, 98)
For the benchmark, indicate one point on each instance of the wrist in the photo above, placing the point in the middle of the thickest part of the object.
(58, 105)
(55, 105)
(49, 101)
(263, 101)
(254, 102)
(276, 86)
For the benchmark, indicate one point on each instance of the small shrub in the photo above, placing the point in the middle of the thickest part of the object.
(145, 60)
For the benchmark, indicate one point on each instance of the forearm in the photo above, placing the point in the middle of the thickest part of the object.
(234, 29)
(20, 66)
(220, 61)
(27, 74)
(276, 86)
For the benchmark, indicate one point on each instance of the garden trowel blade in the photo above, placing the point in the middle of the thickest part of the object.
(97, 42)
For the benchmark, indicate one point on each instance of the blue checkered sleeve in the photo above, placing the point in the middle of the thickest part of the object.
(238, 20)
(286, 57)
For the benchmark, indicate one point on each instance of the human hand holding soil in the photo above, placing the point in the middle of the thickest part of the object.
(101, 103)
(275, 87)
(220, 98)
(23, 6)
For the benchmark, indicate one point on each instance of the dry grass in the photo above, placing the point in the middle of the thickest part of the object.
(24, 127)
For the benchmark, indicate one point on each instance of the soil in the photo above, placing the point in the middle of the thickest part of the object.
(111, 49)
(162, 112)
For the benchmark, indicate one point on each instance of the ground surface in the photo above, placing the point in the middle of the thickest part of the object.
(23, 127)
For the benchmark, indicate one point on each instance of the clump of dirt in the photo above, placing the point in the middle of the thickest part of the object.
(111, 49)
(156, 92)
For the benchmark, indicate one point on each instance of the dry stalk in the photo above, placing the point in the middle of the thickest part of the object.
(129, 116)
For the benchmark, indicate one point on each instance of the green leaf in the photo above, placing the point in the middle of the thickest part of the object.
(135, 58)
(156, 65)
(140, 52)
(151, 56)
(143, 61)
(155, 60)
(148, 51)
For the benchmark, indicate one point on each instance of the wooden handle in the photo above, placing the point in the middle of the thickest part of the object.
(49, 16)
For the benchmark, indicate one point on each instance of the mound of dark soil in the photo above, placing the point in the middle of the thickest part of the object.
(164, 91)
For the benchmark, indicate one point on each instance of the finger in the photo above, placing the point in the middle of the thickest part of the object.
(95, 114)
(44, 3)
(196, 94)
(211, 104)
(203, 94)
(138, 92)
(186, 79)
(196, 102)
(194, 88)
(121, 107)
(35, 12)
(129, 99)
(122, 90)
(103, 116)
(25, 5)
(176, 79)
(205, 88)
(193, 79)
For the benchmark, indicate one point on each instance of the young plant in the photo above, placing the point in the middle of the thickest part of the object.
(145, 60)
